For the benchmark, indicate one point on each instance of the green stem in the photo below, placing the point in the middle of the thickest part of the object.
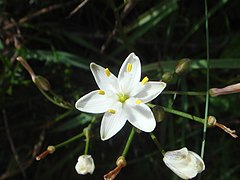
(207, 88)
(62, 104)
(130, 138)
(180, 113)
(157, 143)
(64, 115)
(86, 132)
(69, 140)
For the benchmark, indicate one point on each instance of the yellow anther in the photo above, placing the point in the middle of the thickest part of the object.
(145, 80)
(129, 67)
(107, 72)
(138, 101)
(101, 92)
(112, 111)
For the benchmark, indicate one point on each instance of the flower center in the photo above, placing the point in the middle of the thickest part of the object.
(122, 97)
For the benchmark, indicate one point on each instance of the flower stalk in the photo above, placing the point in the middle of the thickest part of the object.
(180, 113)
(129, 141)
(121, 161)
(156, 142)
(51, 149)
(86, 133)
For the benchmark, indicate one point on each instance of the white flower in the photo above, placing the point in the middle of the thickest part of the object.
(186, 164)
(85, 165)
(121, 98)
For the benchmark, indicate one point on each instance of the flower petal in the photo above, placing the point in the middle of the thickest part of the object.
(200, 163)
(105, 80)
(94, 102)
(186, 164)
(85, 165)
(130, 73)
(148, 91)
(112, 123)
(139, 115)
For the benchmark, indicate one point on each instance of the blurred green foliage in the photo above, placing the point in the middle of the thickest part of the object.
(59, 39)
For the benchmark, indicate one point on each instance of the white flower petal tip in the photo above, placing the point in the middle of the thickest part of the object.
(125, 96)
(85, 165)
(94, 102)
(186, 164)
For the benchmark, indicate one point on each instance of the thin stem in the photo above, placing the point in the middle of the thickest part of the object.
(130, 138)
(180, 113)
(70, 140)
(86, 131)
(207, 94)
(189, 93)
(157, 143)
(60, 104)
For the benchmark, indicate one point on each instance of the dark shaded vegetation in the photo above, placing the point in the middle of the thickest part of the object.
(59, 44)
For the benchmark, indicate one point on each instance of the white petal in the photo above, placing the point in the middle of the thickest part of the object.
(184, 173)
(200, 163)
(148, 91)
(128, 80)
(96, 103)
(139, 115)
(112, 123)
(103, 81)
(85, 165)
(186, 164)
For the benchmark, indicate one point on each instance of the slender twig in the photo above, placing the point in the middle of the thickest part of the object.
(10, 140)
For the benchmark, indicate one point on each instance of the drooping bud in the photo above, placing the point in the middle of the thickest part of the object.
(182, 66)
(158, 113)
(42, 83)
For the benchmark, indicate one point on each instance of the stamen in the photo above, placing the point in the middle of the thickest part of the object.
(112, 111)
(145, 80)
(138, 101)
(101, 92)
(107, 72)
(129, 67)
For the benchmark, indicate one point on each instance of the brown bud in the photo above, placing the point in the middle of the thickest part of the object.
(182, 66)
(158, 113)
(42, 83)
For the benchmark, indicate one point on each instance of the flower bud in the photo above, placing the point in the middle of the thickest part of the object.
(182, 66)
(85, 165)
(186, 164)
(42, 83)
(168, 77)
(158, 113)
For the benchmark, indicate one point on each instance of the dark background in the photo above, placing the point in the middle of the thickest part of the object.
(59, 44)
